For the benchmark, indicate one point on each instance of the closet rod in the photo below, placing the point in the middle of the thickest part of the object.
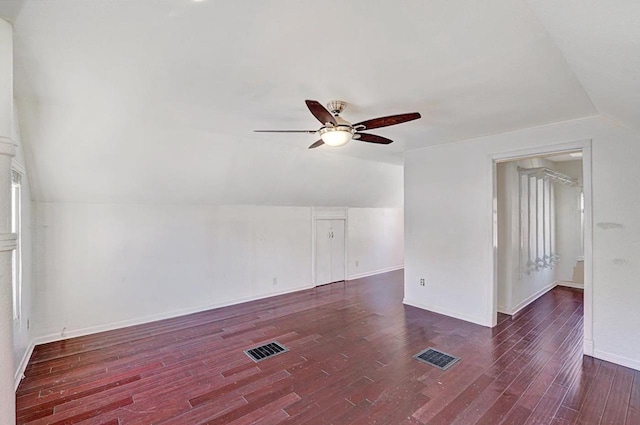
(548, 173)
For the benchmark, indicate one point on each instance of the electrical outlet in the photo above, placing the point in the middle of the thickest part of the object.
(275, 280)
(422, 282)
(357, 263)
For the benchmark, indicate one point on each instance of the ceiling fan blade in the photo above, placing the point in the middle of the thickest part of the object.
(317, 144)
(286, 131)
(387, 121)
(320, 112)
(372, 138)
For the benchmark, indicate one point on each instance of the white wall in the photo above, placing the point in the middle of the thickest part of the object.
(214, 226)
(448, 228)
(21, 328)
(212, 170)
(102, 266)
(569, 242)
(516, 289)
(7, 396)
(375, 241)
(107, 265)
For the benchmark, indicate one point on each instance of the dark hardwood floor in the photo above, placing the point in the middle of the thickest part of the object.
(350, 362)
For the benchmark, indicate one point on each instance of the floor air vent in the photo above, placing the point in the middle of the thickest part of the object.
(436, 358)
(265, 351)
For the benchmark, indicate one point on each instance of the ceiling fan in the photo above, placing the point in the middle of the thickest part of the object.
(336, 131)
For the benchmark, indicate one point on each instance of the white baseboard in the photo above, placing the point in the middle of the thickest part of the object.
(528, 300)
(155, 317)
(374, 272)
(614, 358)
(23, 365)
(570, 284)
(587, 347)
(450, 313)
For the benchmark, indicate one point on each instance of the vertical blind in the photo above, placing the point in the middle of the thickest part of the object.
(537, 217)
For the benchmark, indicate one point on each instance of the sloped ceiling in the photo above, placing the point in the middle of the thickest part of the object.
(155, 100)
(601, 42)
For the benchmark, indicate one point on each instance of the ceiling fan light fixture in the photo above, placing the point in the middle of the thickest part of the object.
(336, 131)
(336, 136)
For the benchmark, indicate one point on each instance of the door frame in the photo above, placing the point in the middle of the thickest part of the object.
(585, 147)
(328, 213)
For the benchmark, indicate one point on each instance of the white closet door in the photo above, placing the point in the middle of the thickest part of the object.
(330, 251)
(323, 252)
(337, 250)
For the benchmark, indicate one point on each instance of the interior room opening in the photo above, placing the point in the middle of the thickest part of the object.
(540, 228)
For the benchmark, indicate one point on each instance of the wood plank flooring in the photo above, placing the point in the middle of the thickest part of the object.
(350, 362)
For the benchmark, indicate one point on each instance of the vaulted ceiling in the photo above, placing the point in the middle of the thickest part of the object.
(125, 100)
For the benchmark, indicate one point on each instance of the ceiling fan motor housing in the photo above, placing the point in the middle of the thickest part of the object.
(341, 128)
(336, 106)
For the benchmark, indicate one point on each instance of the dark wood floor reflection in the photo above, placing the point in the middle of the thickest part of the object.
(350, 362)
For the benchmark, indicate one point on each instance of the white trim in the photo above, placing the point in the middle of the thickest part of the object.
(18, 166)
(7, 147)
(587, 242)
(374, 272)
(155, 317)
(446, 312)
(570, 284)
(8, 241)
(23, 364)
(559, 148)
(528, 300)
(312, 278)
(614, 358)
(585, 146)
(346, 244)
(329, 213)
(493, 207)
(587, 347)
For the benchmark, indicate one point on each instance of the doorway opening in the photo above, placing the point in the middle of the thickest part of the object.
(542, 228)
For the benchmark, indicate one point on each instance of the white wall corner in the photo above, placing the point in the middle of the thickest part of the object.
(23, 364)
(587, 347)
(614, 358)
(569, 284)
(482, 321)
(516, 309)
(375, 272)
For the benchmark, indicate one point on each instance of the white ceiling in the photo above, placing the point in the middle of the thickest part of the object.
(137, 90)
(601, 43)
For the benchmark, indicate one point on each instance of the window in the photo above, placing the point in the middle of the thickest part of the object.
(16, 227)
